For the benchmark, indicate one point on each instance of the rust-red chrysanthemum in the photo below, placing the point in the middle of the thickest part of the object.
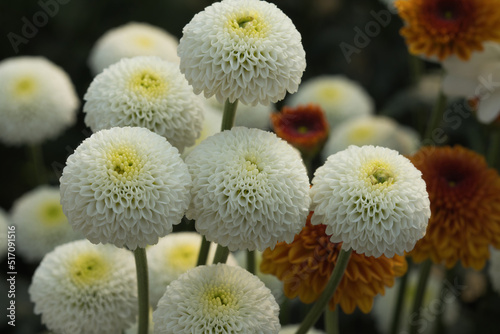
(306, 264)
(444, 27)
(465, 207)
(305, 127)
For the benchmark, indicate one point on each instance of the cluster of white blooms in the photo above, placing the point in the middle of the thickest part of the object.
(37, 100)
(125, 186)
(217, 299)
(372, 199)
(246, 50)
(40, 223)
(83, 288)
(131, 40)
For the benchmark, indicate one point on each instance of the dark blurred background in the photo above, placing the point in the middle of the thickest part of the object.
(381, 66)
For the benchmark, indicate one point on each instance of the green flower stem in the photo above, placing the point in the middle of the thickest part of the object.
(439, 326)
(38, 166)
(435, 119)
(141, 265)
(251, 261)
(396, 316)
(203, 254)
(416, 68)
(425, 270)
(331, 320)
(494, 149)
(229, 115)
(221, 254)
(328, 292)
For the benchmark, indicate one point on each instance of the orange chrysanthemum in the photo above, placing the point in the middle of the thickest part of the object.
(465, 207)
(304, 127)
(306, 264)
(445, 27)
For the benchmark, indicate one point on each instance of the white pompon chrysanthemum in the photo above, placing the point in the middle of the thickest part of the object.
(172, 256)
(37, 100)
(340, 98)
(372, 199)
(125, 186)
(246, 50)
(40, 223)
(250, 189)
(147, 92)
(372, 130)
(217, 299)
(82, 288)
(131, 40)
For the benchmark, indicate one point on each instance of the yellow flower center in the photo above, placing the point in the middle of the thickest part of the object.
(251, 165)
(248, 24)
(182, 257)
(378, 173)
(124, 164)
(25, 86)
(143, 42)
(88, 268)
(361, 134)
(329, 93)
(217, 300)
(51, 213)
(148, 84)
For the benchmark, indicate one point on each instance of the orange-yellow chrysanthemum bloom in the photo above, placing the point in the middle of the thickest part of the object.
(305, 266)
(465, 207)
(439, 28)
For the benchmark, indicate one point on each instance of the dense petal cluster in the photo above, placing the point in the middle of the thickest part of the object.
(217, 299)
(372, 199)
(465, 205)
(440, 28)
(40, 223)
(125, 186)
(250, 189)
(306, 264)
(372, 130)
(147, 92)
(83, 288)
(37, 100)
(476, 79)
(340, 98)
(131, 40)
(246, 50)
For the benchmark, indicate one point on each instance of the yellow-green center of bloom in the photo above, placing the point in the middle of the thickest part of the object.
(124, 164)
(329, 93)
(378, 173)
(251, 165)
(88, 268)
(24, 86)
(143, 42)
(249, 24)
(148, 84)
(182, 257)
(51, 213)
(217, 300)
(361, 134)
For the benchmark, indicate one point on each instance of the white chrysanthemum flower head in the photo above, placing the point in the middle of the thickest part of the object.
(246, 50)
(292, 329)
(340, 98)
(84, 288)
(131, 40)
(217, 299)
(212, 120)
(4, 227)
(258, 116)
(494, 269)
(37, 100)
(125, 186)
(40, 223)
(250, 189)
(372, 199)
(172, 256)
(147, 92)
(371, 130)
